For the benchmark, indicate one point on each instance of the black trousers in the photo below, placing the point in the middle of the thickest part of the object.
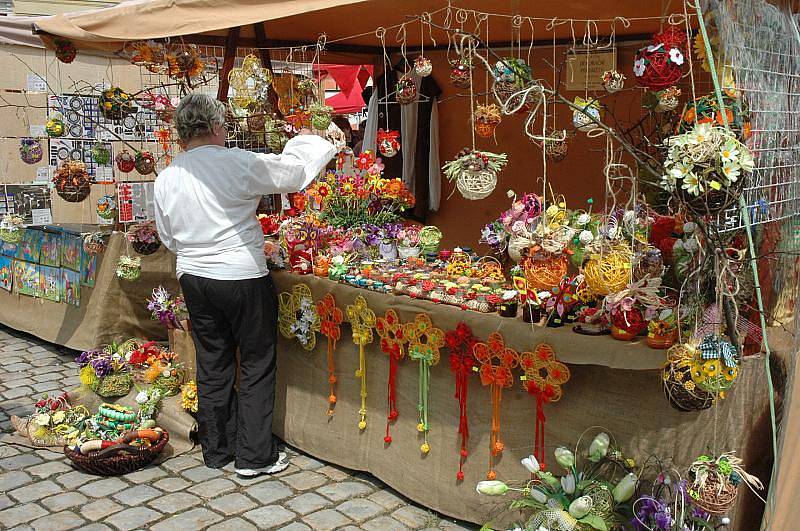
(226, 314)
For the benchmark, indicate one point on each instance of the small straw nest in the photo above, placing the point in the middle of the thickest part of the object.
(608, 271)
(681, 392)
(555, 150)
(716, 496)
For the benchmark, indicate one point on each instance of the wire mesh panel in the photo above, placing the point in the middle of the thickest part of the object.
(760, 45)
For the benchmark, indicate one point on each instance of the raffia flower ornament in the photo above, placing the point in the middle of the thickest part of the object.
(298, 317)
(362, 321)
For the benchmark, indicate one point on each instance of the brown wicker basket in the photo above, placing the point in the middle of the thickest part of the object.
(712, 201)
(681, 391)
(715, 498)
(117, 460)
(74, 194)
(145, 248)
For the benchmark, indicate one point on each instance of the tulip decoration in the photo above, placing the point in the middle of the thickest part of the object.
(362, 321)
(496, 362)
(544, 375)
(331, 318)
(460, 342)
(424, 342)
(390, 330)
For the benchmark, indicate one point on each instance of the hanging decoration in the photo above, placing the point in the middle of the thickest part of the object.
(101, 153)
(613, 81)
(250, 82)
(72, 181)
(65, 50)
(126, 162)
(715, 365)
(107, 207)
(512, 77)
(679, 387)
(330, 317)
(544, 376)
(714, 483)
(657, 67)
(583, 120)
(424, 342)
(298, 316)
(496, 363)
(12, 228)
(184, 63)
(487, 118)
(461, 72)
(362, 321)
(423, 66)
(667, 99)
(406, 90)
(388, 142)
(556, 148)
(390, 330)
(475, 172)
(30, 150)
(115, 104)
(129, 268)
(461, 342)
(55, 126)
(145, 162)
(94, 243)
(143, 237)
(320, 116)
(705, 110)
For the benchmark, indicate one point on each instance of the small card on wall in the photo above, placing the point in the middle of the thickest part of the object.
(135, 201)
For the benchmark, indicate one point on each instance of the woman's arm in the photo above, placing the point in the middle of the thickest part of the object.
(301, 161)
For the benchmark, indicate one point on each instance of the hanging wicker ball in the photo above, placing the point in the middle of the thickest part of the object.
(406, 91)
(320, 116)
(72, 181)
(460, 75)
(717, 496)
(107, 207)
(145, 162)
(556, 150)
(608, 272)
(423, 66)
(115, 104)
(681, 392)
(30, 150)
(101, 153)
(307, 87)
(129, 268)
(126, 162)
(544, 273)
(65, 50)
(711, 201)
(668, 99)
(654, 69)
(94, 243)
(55, 126)
(476, 184)
(673, 37)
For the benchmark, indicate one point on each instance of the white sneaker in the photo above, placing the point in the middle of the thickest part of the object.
(278, 466)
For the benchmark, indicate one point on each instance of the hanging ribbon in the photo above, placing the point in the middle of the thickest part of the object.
(544, 375)
(392, 337)
(496, 362)
(460, 342)
(331, 318)
(424, 342)
(362, 321)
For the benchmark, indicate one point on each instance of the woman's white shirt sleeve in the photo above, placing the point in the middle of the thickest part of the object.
(300, 163)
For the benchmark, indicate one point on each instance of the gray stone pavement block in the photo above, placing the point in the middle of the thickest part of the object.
(270, 517)
(201, 473)
(20, 461)
(35, 491)
(74, 479)
(48, 376)
(46, 470)
(326, 520)
(175, 502)
(387, 499)
(182, 462)
(307, 503)
(231, 504)
(213, 488)
(415, 517)
(47, 386)
(336, 474)
(303, 462)
(339, 492)
(20, 514)
(133, 518)
(65, 500)
(237, 524)
(63, 521)
(103, 488)
(7, 450)
(384, 523)
(269, 492)
(198, 518)
(137, 495)
(12, 480)
(96, 527)
(99, 509)
(360, 509)
(18, 382)
(305, 480)
(171, 484)
(6, 502)
(296, 526)
(146, 475)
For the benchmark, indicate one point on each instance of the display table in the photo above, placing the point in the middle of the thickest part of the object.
(113, 310)
(615, 385)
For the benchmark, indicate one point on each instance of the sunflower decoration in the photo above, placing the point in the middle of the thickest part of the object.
(116, 104)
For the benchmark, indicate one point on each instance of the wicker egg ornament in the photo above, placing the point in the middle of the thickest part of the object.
(101, 154)
(107, 207)
(556, 150)
(30, 150)
(423, 66)
(94, 243)
(145, 162)
(65, 50)
(613, 81)
(406, 90)
(461, 75)
(126, 162)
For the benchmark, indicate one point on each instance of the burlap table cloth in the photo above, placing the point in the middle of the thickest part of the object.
(113, 310)
(615, 385)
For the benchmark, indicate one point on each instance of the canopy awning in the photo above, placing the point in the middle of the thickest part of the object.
(17, 30)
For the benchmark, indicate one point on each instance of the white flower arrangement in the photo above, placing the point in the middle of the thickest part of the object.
(303, 327)
(705, 158)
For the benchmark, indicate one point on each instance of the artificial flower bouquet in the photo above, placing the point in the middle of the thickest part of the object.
(157, 367)
(105, 371)
(54, 422)
(143, 237)
(169, 311)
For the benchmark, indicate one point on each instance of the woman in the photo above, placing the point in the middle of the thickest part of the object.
(205, 205)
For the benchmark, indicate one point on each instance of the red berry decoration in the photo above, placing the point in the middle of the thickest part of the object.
(65, 50)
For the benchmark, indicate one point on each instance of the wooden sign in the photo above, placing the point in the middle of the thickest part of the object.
(585, 70)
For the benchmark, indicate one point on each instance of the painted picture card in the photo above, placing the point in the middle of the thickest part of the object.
(70, 287)
(51, 249)
(26, 278)
(71, 250)
(50, 283)
(6, 273)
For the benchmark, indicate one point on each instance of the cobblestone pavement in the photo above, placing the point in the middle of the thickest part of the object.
(40, 490)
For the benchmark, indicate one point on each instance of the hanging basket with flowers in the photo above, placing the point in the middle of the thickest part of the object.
(705, 168)
(101, 153)
(129, 268)
(667, 99)
(144, 162)
(461, 73)
(30, 150)
(72, 181)
(126, 162)
(475, 172)
(94, 243)
(657, 67)
(144, 238)
(714, 483)
(320, 116)
(679, 388)
(487, 118)
(107, 207)
(55, 126)
(65, 50)
(705, 110)
(12, 228)
(115, 104)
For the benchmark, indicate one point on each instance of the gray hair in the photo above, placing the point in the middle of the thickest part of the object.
(197, 115)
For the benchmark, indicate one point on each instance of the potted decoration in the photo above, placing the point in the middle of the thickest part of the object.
(591, 322)
(12, 228)
(144, 238)
(704, 168)
(65, 50)
(613, 81)
(388, 142)
(55, 126)
(487, 118)
(144, 162)
(115, 104)
(101, 153)
(508, 304)
(631, 308)
(475, 172)
(320, 115)
(94, 243)
(72, 181)
(423, 66)
(105, 372)
(30, 150)
(406, 90)
(657, 67)
(662, 332)
(107, 207)
(126, 162)
(387, 241)
(408, 241)
(129, 268)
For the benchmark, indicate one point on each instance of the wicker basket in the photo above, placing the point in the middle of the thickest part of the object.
(145, 248)
(117, 460)
(681, 391)
(712, 201)
(715, 498)
(74, 193)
